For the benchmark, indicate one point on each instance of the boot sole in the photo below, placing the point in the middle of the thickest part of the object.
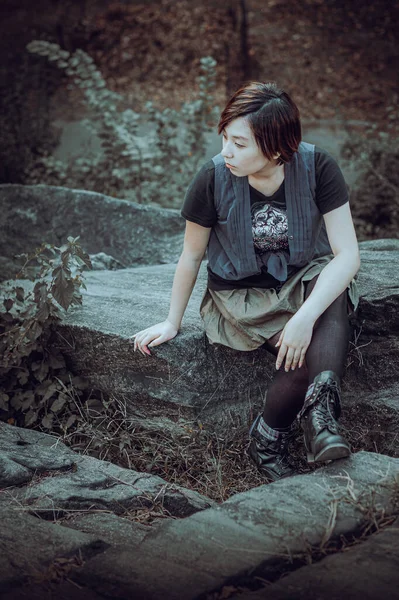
(332, 452)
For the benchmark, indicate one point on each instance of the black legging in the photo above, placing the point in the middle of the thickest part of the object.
(327, 351)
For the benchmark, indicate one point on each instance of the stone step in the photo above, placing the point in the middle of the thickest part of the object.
(79, 526)
(30, 546)
(53, 480)
(256, 533)
(368, 570)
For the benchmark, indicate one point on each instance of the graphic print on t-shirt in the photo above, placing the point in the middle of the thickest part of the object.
(269, 228)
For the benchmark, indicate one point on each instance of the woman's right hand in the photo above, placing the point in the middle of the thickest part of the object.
(154, 336)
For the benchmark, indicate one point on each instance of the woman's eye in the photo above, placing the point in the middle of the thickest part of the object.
(239, 146)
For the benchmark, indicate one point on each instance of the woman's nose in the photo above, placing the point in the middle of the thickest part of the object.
(227, 151)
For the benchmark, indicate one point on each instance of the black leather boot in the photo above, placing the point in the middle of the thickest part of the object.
(318, 419)
(270, 457)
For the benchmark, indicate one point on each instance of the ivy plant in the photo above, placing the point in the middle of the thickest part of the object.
(156, 167)
(36, 386)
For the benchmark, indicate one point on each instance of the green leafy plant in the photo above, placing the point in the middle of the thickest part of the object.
(155, 167)
(36, 384)
(180, 141)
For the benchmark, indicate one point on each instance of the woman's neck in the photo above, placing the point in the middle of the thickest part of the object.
(267, 183)
(269, 172)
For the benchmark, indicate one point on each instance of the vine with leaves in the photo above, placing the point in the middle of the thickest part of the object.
(156, 167)
(36, 386)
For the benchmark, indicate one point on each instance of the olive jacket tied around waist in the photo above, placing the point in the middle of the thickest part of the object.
(231, 252)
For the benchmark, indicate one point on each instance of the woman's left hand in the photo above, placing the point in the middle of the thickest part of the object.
(294, 341)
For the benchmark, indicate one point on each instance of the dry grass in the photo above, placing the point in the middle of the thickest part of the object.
(60, 569)
(187, 455)
(370, 428)
(355, 355)
(194, 458)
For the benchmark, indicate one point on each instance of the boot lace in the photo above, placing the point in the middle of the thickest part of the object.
(282, 445)
(324, 410)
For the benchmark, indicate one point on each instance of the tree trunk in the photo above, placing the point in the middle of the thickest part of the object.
(238, 60)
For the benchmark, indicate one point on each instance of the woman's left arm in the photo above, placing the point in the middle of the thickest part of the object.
(332, 281)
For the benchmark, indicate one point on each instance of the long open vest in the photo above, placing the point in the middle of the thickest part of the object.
(231, 252)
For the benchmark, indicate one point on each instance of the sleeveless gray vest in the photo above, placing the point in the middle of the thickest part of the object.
(231, 252)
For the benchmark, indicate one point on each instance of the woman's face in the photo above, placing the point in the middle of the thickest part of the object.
(241, 152)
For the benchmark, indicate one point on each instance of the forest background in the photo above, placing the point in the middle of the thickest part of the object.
(125, 98)
(122, 98)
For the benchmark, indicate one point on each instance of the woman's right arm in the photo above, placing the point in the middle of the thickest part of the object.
(195, 243)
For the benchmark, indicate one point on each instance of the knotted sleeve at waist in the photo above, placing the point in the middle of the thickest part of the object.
(275, 263)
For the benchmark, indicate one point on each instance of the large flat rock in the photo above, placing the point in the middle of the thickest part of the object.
(186, 377)
(132, 233)
(215, 384)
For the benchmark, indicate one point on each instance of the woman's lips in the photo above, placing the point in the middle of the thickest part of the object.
(230, 166)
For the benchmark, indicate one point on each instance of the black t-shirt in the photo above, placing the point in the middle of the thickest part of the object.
(269, 214)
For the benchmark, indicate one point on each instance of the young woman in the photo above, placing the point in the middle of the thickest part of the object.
(273, 214)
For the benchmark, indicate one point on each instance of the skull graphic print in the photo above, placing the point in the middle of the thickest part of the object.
(269, 228)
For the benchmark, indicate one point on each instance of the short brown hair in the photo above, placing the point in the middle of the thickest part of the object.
(272, 116)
